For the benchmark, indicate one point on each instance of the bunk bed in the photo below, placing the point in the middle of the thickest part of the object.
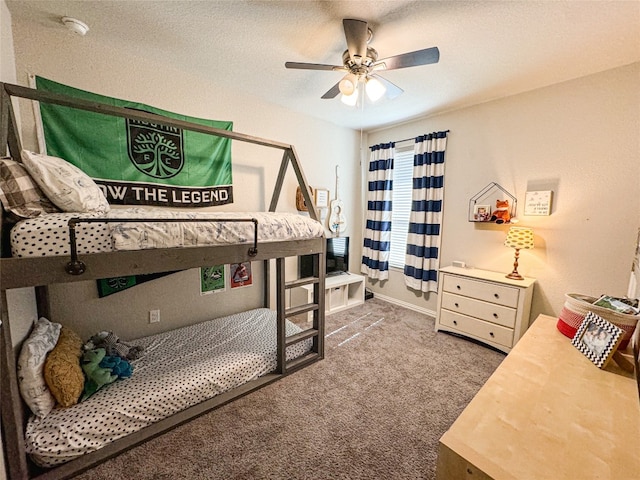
(294, 348)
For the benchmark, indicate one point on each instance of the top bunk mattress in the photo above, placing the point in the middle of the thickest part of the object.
(49, 234)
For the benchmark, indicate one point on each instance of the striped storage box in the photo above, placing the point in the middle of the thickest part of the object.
(577, 306)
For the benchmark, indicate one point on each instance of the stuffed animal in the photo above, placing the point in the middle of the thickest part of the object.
(118, 366)
(62, 371)
(501, 214)
(96, 376)
(114, 346)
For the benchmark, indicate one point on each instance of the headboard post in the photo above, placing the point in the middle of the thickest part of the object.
(5, 102)
(277, 188)
(5, 244)
(42, 301)
(8, 126)
(13, 415)
(8, 137)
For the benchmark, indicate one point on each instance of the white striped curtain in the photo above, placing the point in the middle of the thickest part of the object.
(423, 241)
(377, 235)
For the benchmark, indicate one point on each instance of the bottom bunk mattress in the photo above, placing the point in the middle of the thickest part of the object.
(179, 369)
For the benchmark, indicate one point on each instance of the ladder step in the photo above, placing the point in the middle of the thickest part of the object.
(299, 337)
(293, 311)
(303, 361)
(301, 282)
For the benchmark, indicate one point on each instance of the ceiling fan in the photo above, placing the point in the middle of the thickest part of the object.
(361, 64)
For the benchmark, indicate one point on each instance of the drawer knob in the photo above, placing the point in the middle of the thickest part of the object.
(495, 315)
(456, 305)
(455, 322)
(458, 287)
(496, 295)
(491, 333)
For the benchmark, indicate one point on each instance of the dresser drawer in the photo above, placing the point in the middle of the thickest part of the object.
(490, 312)
(476, 328)
(489, 292)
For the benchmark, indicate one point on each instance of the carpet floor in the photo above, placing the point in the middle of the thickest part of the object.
(374, 408)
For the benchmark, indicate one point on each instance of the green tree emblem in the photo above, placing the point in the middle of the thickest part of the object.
(158, 156)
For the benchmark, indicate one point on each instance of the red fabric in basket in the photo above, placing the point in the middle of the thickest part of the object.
(569, 322)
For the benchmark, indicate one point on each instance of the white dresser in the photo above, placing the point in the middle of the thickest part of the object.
(483, 305)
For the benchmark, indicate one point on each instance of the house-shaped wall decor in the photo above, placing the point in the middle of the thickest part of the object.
(492, 204)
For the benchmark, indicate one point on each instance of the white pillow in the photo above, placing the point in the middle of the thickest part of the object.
(33, 354)
(68, 187)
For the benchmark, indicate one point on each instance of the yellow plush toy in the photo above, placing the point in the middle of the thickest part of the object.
(501, 214)
(62, 371)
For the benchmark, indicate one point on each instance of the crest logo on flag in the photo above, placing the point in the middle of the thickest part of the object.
(155, 150)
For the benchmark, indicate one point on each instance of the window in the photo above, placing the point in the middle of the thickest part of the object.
(401, 198)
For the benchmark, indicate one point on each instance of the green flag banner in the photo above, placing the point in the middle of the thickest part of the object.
(135, 162)
(109, 286)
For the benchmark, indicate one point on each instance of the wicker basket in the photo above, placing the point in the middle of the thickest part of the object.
(577, 306)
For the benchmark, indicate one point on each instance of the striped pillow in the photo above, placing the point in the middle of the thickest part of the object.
(19, 194)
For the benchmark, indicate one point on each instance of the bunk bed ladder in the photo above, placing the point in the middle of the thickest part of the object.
(316, 332)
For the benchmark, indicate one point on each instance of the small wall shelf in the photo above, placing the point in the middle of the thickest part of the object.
(482, 206)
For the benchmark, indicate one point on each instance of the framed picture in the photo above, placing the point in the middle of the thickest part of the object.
(597, 339)
(322, 197)
(212, 279)
(240, 275)
(482, 213)
(538, 203)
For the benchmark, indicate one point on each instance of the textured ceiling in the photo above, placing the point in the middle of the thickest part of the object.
(488, 49)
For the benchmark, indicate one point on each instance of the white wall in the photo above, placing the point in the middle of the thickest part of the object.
(579, 139)
(7, 56)
(85, 63)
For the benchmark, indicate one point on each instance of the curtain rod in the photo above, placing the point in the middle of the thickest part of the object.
(412, 138)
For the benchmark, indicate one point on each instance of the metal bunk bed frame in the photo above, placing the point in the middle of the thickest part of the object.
(41, 271)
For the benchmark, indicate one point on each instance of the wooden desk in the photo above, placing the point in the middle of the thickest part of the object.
(547, 412)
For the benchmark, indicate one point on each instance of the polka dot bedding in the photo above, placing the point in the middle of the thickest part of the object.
(179, 369)
(48, 234)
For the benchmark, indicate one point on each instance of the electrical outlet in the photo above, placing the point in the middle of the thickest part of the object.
(154, 316)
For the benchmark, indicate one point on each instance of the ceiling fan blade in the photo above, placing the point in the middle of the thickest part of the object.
(332, 92)
(357, 34)
(392, 91)
(411, 59)
(313, 66)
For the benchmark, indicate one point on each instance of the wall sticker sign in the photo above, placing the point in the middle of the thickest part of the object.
(538, 203)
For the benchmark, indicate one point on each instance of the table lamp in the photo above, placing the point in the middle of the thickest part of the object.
(518, 237)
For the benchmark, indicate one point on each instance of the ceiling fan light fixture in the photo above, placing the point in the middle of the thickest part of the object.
(351, 100)
(375, 89)
(360, 64)
(348, 84)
